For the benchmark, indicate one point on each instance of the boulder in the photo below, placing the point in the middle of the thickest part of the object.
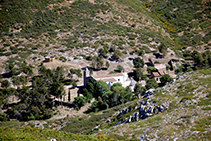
(123, 111)
(120, 113)
(96, 128)
(129, 119)
(118, 122)
(130, 109)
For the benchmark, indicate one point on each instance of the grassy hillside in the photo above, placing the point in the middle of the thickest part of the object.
(187, 21)
(187, 117)
(33, 134)
(31, 29)
(57, 27)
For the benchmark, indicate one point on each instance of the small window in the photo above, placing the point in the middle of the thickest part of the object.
(118, 79)
(156, 79)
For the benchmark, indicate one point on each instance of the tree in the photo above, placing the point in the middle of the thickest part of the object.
(79, 101)
(16, 80)
(94, 106)
(90, 86)
(57, 89)
(165, 78)
(120, 68)
(91, 71)
(5, 83)
(27, 70)
(138, 63)
(4, 117)
(138, 74)
(162, 48)
(117, 54)
(197, 57)
(207, 58)
(24, 80)
(168, 67)
(139, 90)
(151, 69)
(74, 84)
(97, 62)
(11, 69)
(101, 88)
(107, 65)
(112, 49)
(151, 83)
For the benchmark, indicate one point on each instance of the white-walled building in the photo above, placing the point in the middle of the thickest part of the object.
(111, 79)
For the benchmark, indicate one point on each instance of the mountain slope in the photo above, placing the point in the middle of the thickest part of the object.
(72, 29)
(187, 116)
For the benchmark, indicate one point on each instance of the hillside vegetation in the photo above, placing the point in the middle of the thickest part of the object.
(187, 116)
(34, 134)
(121, 34)
(32, 29)
(188, 21)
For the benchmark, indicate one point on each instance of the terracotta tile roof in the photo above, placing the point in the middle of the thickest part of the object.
(108, 79)
(107, 75)
(162, 72)
(156, 74)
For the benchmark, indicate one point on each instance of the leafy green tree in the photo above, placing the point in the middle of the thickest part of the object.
(16, 80)
(24, 80)
(97, 63)
(119, 94)
(42, 70)
(79, 101)
(117, 54)
(151, 69)
(77, 72)
(129, 94)
(115, 85)
(165, 78)
(168, 67)
(94, 106)
(57, 89)
(197, 57)
(58, 74)
(138, 74)
(151, 83)
(112, 49)
(162, 48)
(27, 70)
(11, 69)
(207, 58)
(138, 63)
(101, 88)
(91, 71)
(107, 64)
(5, 83)
(91, 85)
(120, 68)
(139, 90)
(74, 84)
(4, 117)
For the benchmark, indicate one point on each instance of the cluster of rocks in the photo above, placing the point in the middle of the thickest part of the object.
(143, 109)
(146, 109)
